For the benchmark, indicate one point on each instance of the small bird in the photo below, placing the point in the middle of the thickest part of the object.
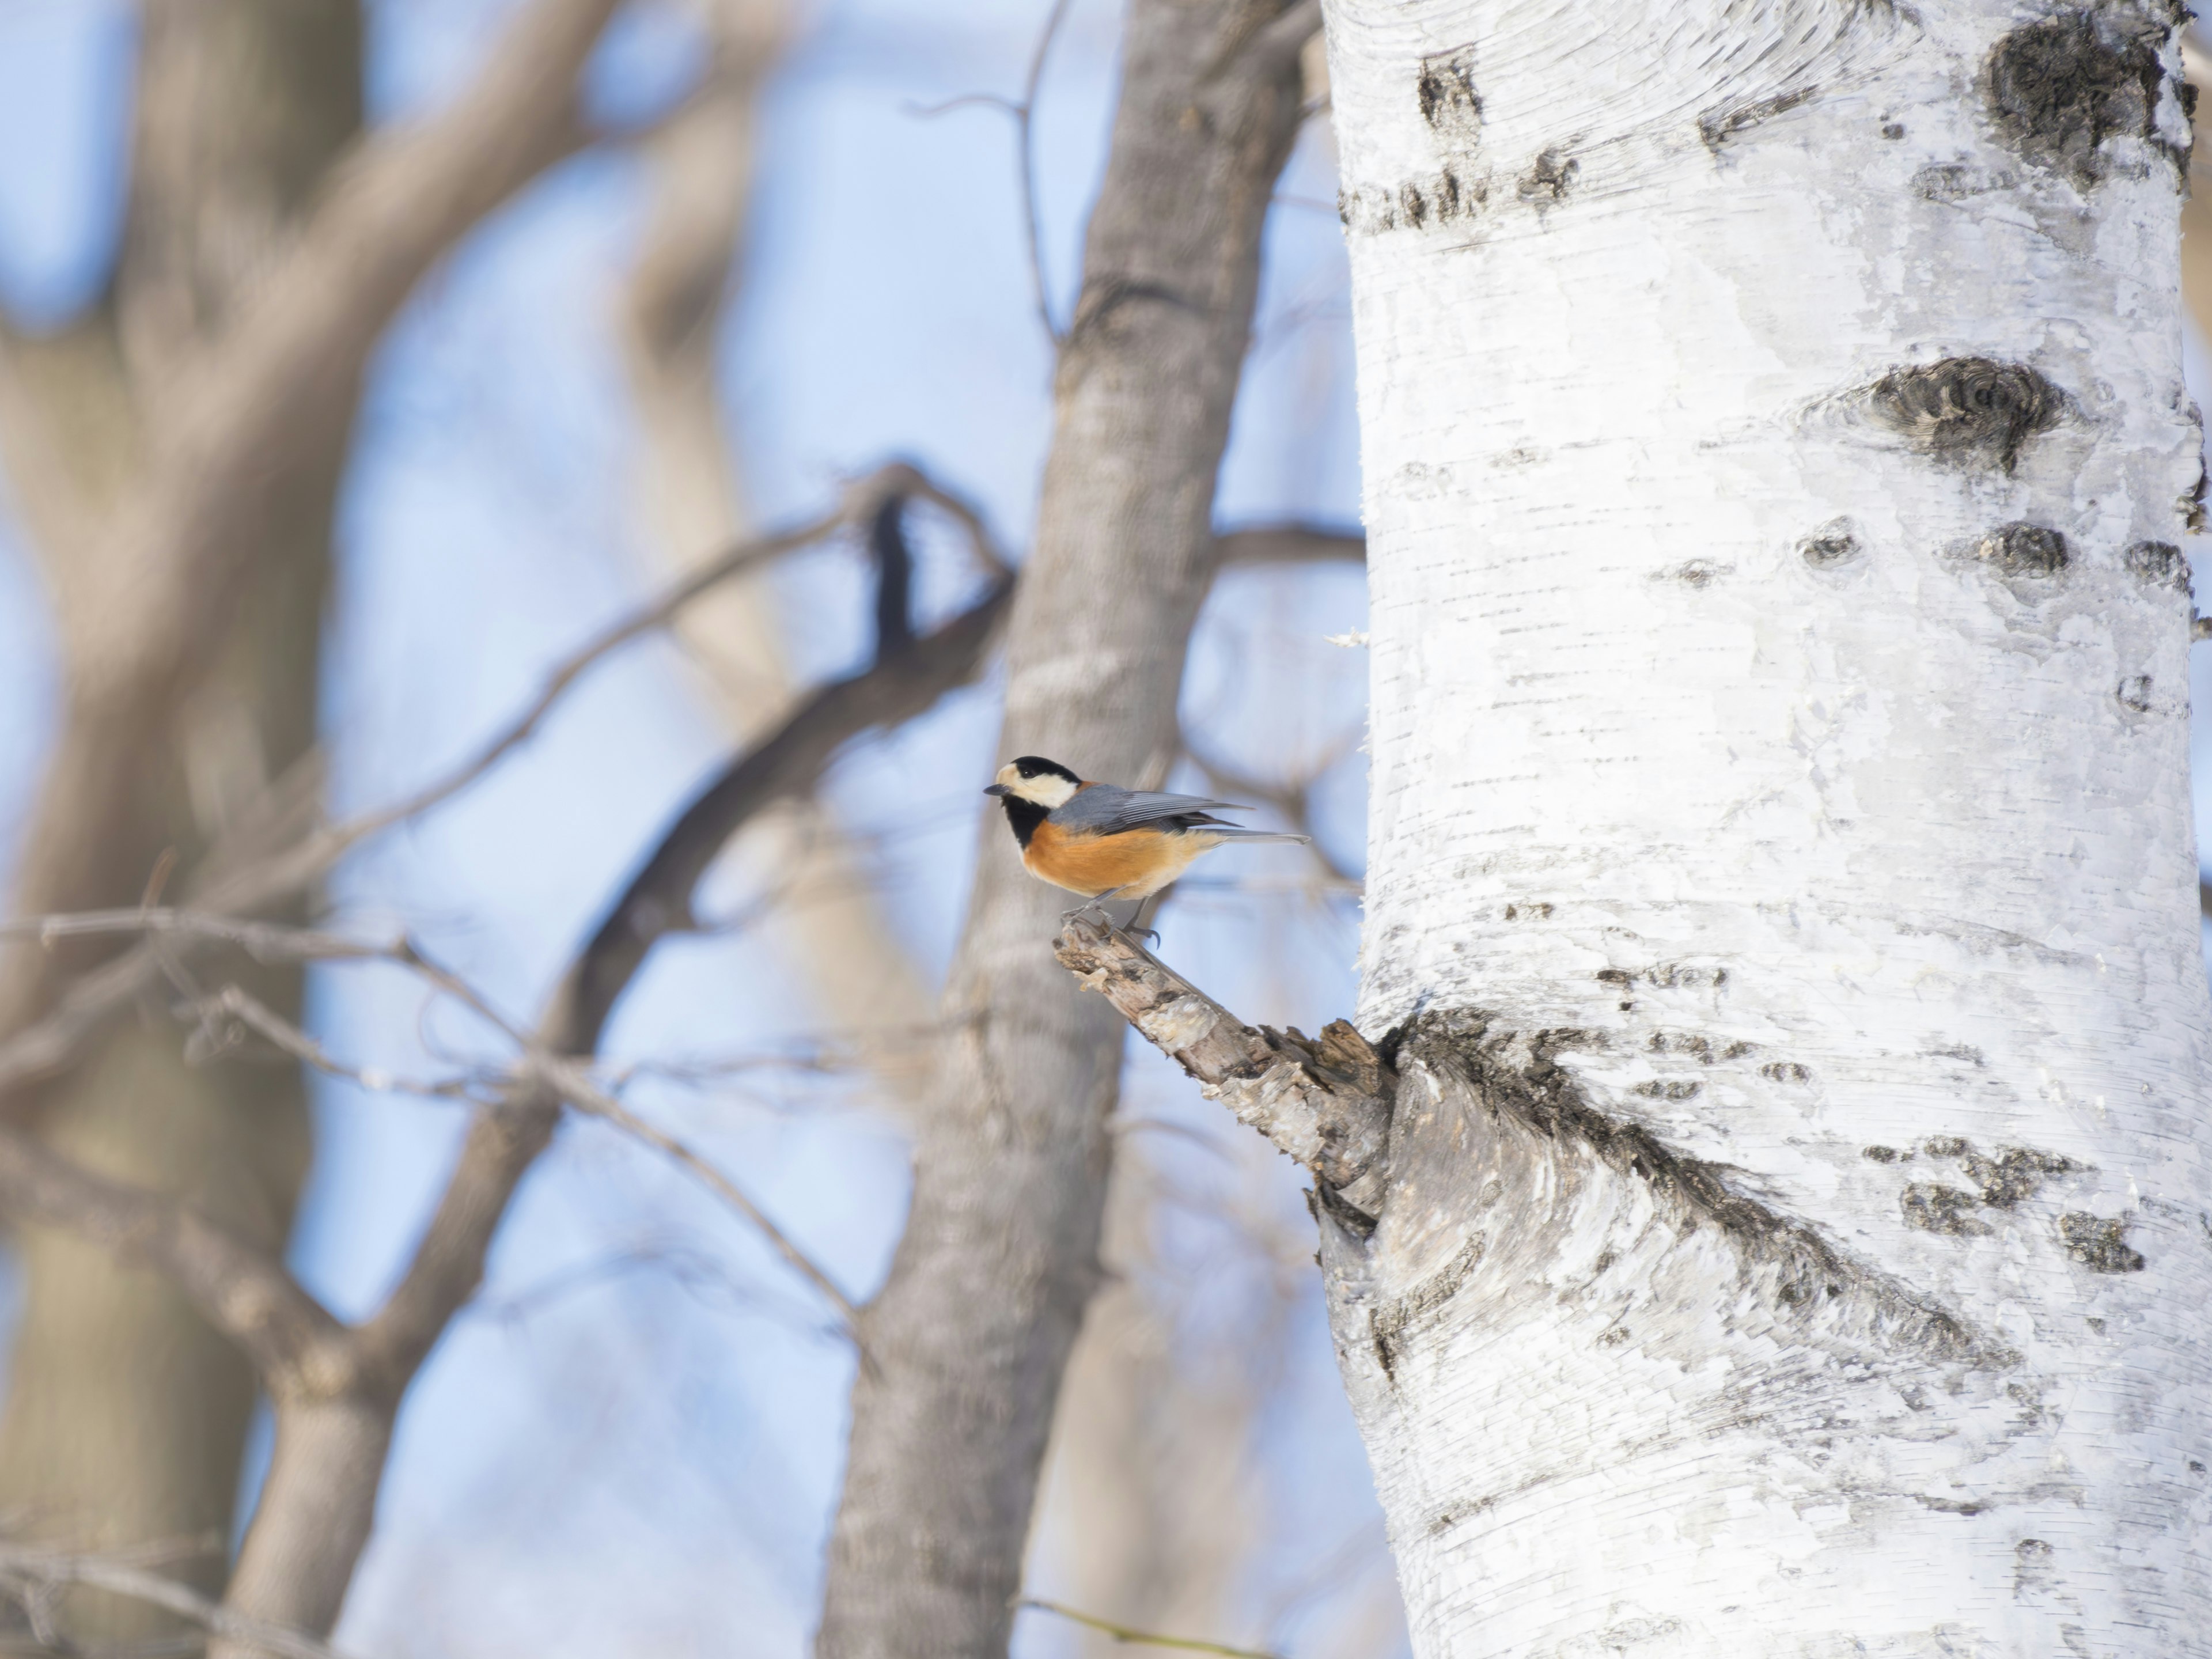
(1104, 841)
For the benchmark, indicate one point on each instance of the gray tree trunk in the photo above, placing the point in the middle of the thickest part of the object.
(968, 1339)
(126, 1414)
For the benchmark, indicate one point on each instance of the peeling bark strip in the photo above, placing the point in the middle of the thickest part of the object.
(1324, 1100)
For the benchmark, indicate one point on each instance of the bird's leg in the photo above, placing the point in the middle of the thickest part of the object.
(1095, 901)
(1147, 908)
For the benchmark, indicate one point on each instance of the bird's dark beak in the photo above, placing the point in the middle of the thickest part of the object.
(996, 789)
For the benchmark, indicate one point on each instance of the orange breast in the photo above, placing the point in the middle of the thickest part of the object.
(1138, 861)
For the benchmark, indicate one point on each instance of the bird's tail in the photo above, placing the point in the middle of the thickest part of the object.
(1227, 833)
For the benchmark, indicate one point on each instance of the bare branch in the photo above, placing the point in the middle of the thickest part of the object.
(262, 877)
(539, 1066)
(504, 1141)
(1286, 36)
(575, 1084)
(281, 877)
(1324, 1100)
(1289, 543)
(1026, 119)
(34, 1571)
(264, 941)
(1293, 801)
(235, 1007)
(238, 417)
(1143, 1639)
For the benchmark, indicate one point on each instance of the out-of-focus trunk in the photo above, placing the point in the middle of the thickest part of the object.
(968, 1338)
(126, 1415)
(1151, 1503)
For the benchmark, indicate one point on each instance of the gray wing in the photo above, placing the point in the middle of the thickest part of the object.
(1104, 809)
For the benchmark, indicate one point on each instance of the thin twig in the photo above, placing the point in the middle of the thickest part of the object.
(566, 1077)
(49, 1044)
(44, 1569)
(574, 1084)
(1026, 119)
(1294, 801)
(236, 1004)
(1124, 1634)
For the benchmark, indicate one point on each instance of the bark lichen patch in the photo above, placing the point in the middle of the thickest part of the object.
(1459, 1510)
(2157, 564)
(1934, 1207)
(2015, 1173)
(1972, 411)
(1685, 976)
(2134, 694)
(1949, 183)
(2020, 548)
(1667, 1088)
(2060, 88)
(1448, 198)
(1446, 92)
(1834, 544)
(1547, 181)
(1786, 1070)
(1696, 572)
(1885, 1155)
(2098, 1242)
(1718, 125)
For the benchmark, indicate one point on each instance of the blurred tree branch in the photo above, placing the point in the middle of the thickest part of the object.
(126, 1414)
(1143, 1639)
(337, 1390)
(236, 415)
(246, 873)
(1288, 543)
(33, 1576)
(867, 989)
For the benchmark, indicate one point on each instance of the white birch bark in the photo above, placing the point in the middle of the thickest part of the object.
(1782, 882)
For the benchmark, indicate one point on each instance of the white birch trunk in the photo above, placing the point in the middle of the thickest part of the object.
(1782, 885)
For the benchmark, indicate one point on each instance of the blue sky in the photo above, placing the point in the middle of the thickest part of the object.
(632, 1441)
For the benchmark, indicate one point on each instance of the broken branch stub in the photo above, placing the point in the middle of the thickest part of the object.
(1325, 1100)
